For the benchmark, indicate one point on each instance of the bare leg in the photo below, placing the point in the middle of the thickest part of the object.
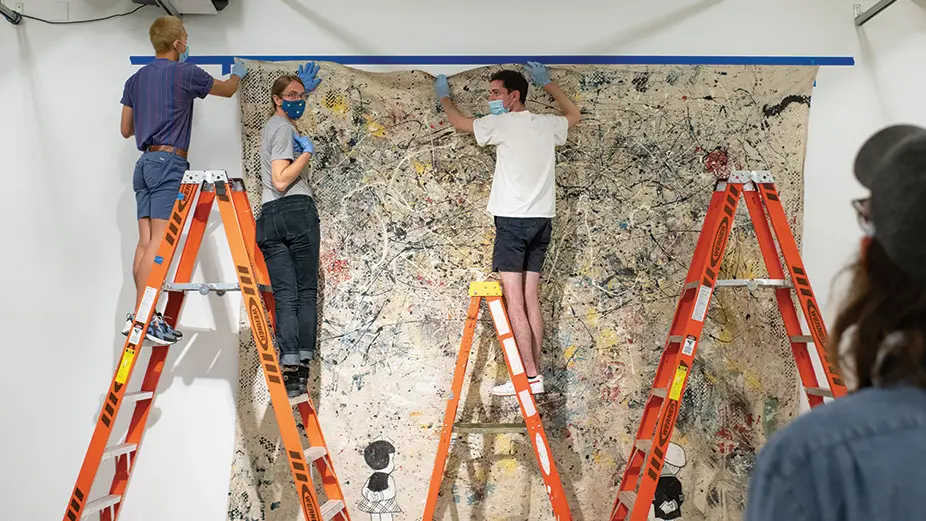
(158, 227)
(534, 313)
(144, 237)
(512, 286)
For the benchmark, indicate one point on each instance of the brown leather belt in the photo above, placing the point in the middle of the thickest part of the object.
(167, 148)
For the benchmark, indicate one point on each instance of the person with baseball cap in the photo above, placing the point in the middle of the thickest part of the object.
(863, 456)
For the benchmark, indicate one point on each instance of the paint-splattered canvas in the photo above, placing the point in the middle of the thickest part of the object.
(402, 201)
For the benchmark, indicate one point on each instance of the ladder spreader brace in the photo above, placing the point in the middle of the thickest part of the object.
(204, 188)
(491, 292)
(643, 467)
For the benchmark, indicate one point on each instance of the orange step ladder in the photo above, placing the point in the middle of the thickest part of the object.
(641, 474)
(235, 210)
(533, 426)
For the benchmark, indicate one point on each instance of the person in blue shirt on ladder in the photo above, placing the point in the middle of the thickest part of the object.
(158, 111)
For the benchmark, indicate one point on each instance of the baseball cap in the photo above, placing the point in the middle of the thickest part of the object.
(891, 164)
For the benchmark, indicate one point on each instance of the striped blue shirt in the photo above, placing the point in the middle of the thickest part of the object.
(161, 96)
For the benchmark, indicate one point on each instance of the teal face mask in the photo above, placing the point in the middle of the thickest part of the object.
(185, 54)
(497, 107)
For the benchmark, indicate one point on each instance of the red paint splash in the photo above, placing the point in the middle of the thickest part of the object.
(336, 270)
(717, 163)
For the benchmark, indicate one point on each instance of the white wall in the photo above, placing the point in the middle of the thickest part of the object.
(69, 220)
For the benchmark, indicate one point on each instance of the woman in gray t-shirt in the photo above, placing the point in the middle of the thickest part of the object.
(288, 226)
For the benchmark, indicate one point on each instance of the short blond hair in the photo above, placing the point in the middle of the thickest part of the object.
(164, 32)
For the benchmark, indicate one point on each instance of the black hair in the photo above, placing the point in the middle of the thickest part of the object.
(377, 454)
(513, 81)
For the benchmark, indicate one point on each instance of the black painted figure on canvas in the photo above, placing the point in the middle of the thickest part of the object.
(379, 491)
(667, 503)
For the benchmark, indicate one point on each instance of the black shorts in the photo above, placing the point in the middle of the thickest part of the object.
(521, 243)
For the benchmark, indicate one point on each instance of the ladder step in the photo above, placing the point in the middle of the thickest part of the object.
(644, 445)
(139, 396)
(118, 450)
(299, 399)
(488, 427)
(802, 339)
(315, 453)
(661, 392)
(98, 505)
(676, 339)
(628, 499)
(331, 508)
(753, 283)
(206, 287)
(819, 391)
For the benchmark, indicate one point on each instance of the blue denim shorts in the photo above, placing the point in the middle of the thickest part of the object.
(156, 182)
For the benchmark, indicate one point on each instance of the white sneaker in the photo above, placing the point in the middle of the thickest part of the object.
(507, 389)
(129, 320)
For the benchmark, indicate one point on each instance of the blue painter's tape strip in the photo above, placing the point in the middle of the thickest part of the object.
(158, 259)
(226, 61)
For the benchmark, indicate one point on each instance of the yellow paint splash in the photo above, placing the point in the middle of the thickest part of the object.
(607, 339)
(591, 316)
(335, 102)
(725, 336)
(508, 466)
(375, 128)
(420, 167)
(569, 355)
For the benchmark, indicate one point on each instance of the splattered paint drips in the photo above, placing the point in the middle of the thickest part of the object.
(402, 202)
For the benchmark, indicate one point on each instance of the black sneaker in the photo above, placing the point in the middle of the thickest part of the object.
(292, 378)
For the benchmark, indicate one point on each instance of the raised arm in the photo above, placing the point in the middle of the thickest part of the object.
(541, 77)
(458, 120)
(228, 88)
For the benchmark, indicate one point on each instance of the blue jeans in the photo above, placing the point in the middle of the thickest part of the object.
(156, 182)
(288, 236)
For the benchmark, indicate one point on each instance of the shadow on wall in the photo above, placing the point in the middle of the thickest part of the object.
(645, 30)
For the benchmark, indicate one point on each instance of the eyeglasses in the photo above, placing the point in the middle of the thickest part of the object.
(294, 96)
(863, 212)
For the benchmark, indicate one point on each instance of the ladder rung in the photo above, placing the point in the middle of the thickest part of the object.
(118, 450)
(819, 391)
(331, 508)
(206, 287)
(628, 499)
(644, 445)
(753, 283)
(676, 339)
(660, 392)
(98, 505)
(315, 453)
(139, 396)
(802, 339)
(299, 399)
(489, 427)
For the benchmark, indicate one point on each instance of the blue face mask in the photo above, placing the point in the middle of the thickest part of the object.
(294, 109)
(185, 54)
(497, 107)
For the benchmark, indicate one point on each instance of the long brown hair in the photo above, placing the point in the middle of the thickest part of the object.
(280, 85)
(882, 301)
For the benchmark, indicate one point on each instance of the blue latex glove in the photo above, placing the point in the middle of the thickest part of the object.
(302, 144)
(539, 73)
(441, 87)
(307, 73)
(239, 69)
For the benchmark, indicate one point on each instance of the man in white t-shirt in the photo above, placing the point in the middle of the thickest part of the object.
(523, 197)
